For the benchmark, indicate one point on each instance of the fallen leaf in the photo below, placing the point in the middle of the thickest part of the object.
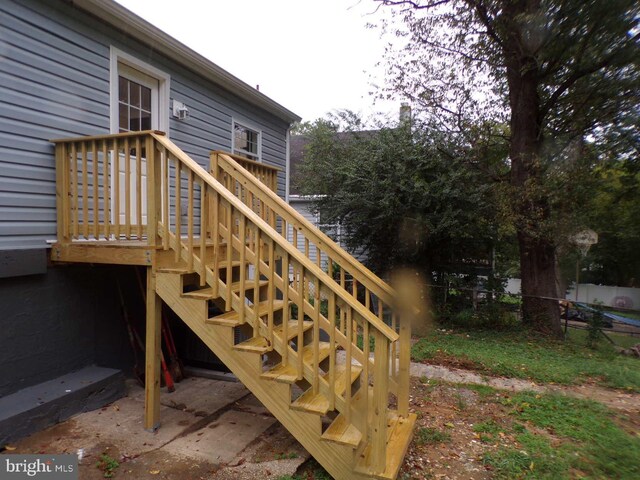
(154, 472)
(9, 447)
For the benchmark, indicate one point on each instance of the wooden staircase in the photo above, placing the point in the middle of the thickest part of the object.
(322, 349)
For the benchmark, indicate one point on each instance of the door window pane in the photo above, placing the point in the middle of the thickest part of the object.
(134, 106)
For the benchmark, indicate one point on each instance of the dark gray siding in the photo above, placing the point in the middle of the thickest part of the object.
(54, 82)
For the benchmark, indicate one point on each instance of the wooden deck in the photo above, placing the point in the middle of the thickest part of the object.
(224, 236)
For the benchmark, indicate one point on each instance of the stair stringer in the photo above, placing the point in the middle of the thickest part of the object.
(338, 460)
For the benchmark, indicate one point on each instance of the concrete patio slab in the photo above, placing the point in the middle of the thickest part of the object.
(208, 428)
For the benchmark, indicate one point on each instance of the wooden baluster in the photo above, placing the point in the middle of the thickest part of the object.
(316, 337)
(166, 183)
(405, 363)
(306, 247)
(256, 281)
(203, 233)
(342, 312)
(229, 256)
(85, 192)
(365, 374)
(329, 266)
(331, 316)
(380, 402)
(354, 284)
(271, 292)
(127, 189)
(263, 211)
(139, 188)
(190, 219)
(116, 187)
(394, 353)
(348, 366)
(243, 273)
(106, 189)
(300, 340)
(178, 215)
(96, 193)
(285, 299)
(295, 237)
(74, 191)
(217, 212)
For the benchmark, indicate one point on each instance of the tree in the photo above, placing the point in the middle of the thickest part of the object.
(405, 198)
(563, 74)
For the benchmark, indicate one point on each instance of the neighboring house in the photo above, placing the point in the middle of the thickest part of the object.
(91, 67)
(304, 204)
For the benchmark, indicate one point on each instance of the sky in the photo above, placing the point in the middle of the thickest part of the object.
(311, 56)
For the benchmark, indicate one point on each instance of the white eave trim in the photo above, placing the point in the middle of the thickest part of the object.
(125, 20)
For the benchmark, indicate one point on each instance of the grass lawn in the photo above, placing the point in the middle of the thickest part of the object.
(524, 355)
(562, 437)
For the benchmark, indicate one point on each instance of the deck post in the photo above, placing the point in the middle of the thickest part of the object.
(153, 353)
(154, 195)
(380, 402)
(62, 193)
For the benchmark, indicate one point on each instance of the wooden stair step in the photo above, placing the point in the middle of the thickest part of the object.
(282, 373)
(200, 294)
(311, 403)
(342, 432)
(254, 345)
(341, 377)
(224, 264)
(292, 329)
(207, 292)
(178, 270)
(289, 373)
(399, 436)
(249, 285)
(324, 349)
(318, 403)
(232, 318)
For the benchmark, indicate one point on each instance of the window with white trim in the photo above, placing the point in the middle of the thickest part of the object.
(134, 105)
(246, 142)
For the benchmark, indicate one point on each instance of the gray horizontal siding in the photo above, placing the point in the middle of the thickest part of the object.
(54, 82)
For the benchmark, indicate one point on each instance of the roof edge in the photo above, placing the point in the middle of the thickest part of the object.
(124, 19)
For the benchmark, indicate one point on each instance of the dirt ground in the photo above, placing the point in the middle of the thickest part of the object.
(203, 440)
(455, 409)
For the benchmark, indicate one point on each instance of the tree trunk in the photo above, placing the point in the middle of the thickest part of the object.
(540, 310)
(537, 251)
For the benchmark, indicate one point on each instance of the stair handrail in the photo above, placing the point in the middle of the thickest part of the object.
(293, 252)
(373, 283)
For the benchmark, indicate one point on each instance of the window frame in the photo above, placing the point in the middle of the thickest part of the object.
(119, 59)
(248, 126)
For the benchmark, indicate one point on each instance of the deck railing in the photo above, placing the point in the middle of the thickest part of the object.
(170, 202)
(365, 287)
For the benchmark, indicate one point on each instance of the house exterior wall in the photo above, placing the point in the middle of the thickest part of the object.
(54, 82)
